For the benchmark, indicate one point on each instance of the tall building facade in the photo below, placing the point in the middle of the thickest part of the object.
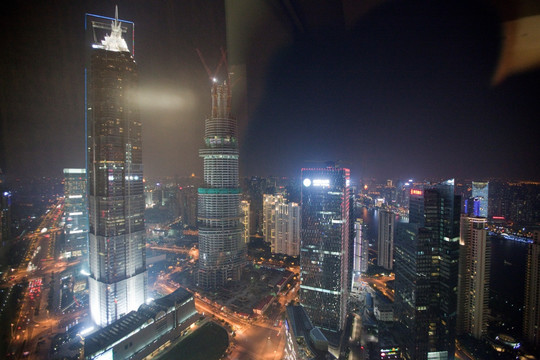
(385, 257)
(244, 206)
(426, 267)
(531, 313)
(474, 275)
(287, 234)
(269, 217)
(117, 258)
(75, 213)
(281, 225)
(187, 198)
(361, 248)
(325, 246)
(222, 249)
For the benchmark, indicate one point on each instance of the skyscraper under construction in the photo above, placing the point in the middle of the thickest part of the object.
(222, 250)
(117, 258)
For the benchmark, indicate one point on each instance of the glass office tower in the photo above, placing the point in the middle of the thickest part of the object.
(325, 246)
(222, 249)
(426, 267)
(117, 258)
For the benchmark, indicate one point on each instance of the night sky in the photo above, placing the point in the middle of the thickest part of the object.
(394, 89)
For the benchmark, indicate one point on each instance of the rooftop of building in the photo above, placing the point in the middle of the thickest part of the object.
(302, 327)
(105, 337)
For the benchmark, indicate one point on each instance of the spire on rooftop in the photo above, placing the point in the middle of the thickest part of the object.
(115, 41)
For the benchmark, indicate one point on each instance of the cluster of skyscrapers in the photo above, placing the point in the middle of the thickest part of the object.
(440, 257)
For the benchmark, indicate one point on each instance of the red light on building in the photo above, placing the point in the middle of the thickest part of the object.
(498, 218)
(416, 192)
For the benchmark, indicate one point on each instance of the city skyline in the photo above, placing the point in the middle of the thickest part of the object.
(388, 109)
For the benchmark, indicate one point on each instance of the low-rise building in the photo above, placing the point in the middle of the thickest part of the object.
(142, 332)
(303, 340)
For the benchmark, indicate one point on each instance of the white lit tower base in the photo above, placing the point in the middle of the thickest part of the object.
(222, 250)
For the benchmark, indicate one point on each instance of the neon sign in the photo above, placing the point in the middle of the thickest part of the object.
(416, 192)
(321, 182)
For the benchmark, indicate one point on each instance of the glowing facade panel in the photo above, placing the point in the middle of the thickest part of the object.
(480, 195)
(75, 213)
(222, 248)
(117, 257)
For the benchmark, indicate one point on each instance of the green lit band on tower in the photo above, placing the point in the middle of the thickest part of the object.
(222, 250)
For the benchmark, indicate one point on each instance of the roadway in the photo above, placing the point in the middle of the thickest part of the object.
(35, 326)
(249, 338)
(380, 283)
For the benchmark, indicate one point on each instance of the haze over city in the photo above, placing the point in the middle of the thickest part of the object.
(396, 89)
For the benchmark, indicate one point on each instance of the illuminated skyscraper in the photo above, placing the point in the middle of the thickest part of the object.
(474, 271)
(75, 213)
(269, 217)
(244, 206)
(361, 248)
(385, 256)
(222, 250)
(281, 221)
(325, 246)
(117, 258)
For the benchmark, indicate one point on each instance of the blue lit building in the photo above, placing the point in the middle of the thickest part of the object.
(325, 246)
(480, 197)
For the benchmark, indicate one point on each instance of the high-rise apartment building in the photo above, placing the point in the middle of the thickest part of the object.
(75, 213)
(287, 239)
(222, 249)
(325, 246)
(361, 248)
(474, 271)
(244, 210)
(531, 312)
(426, 267)
(385, 256)
(281, 225)
(269, 217)
(117, 258)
